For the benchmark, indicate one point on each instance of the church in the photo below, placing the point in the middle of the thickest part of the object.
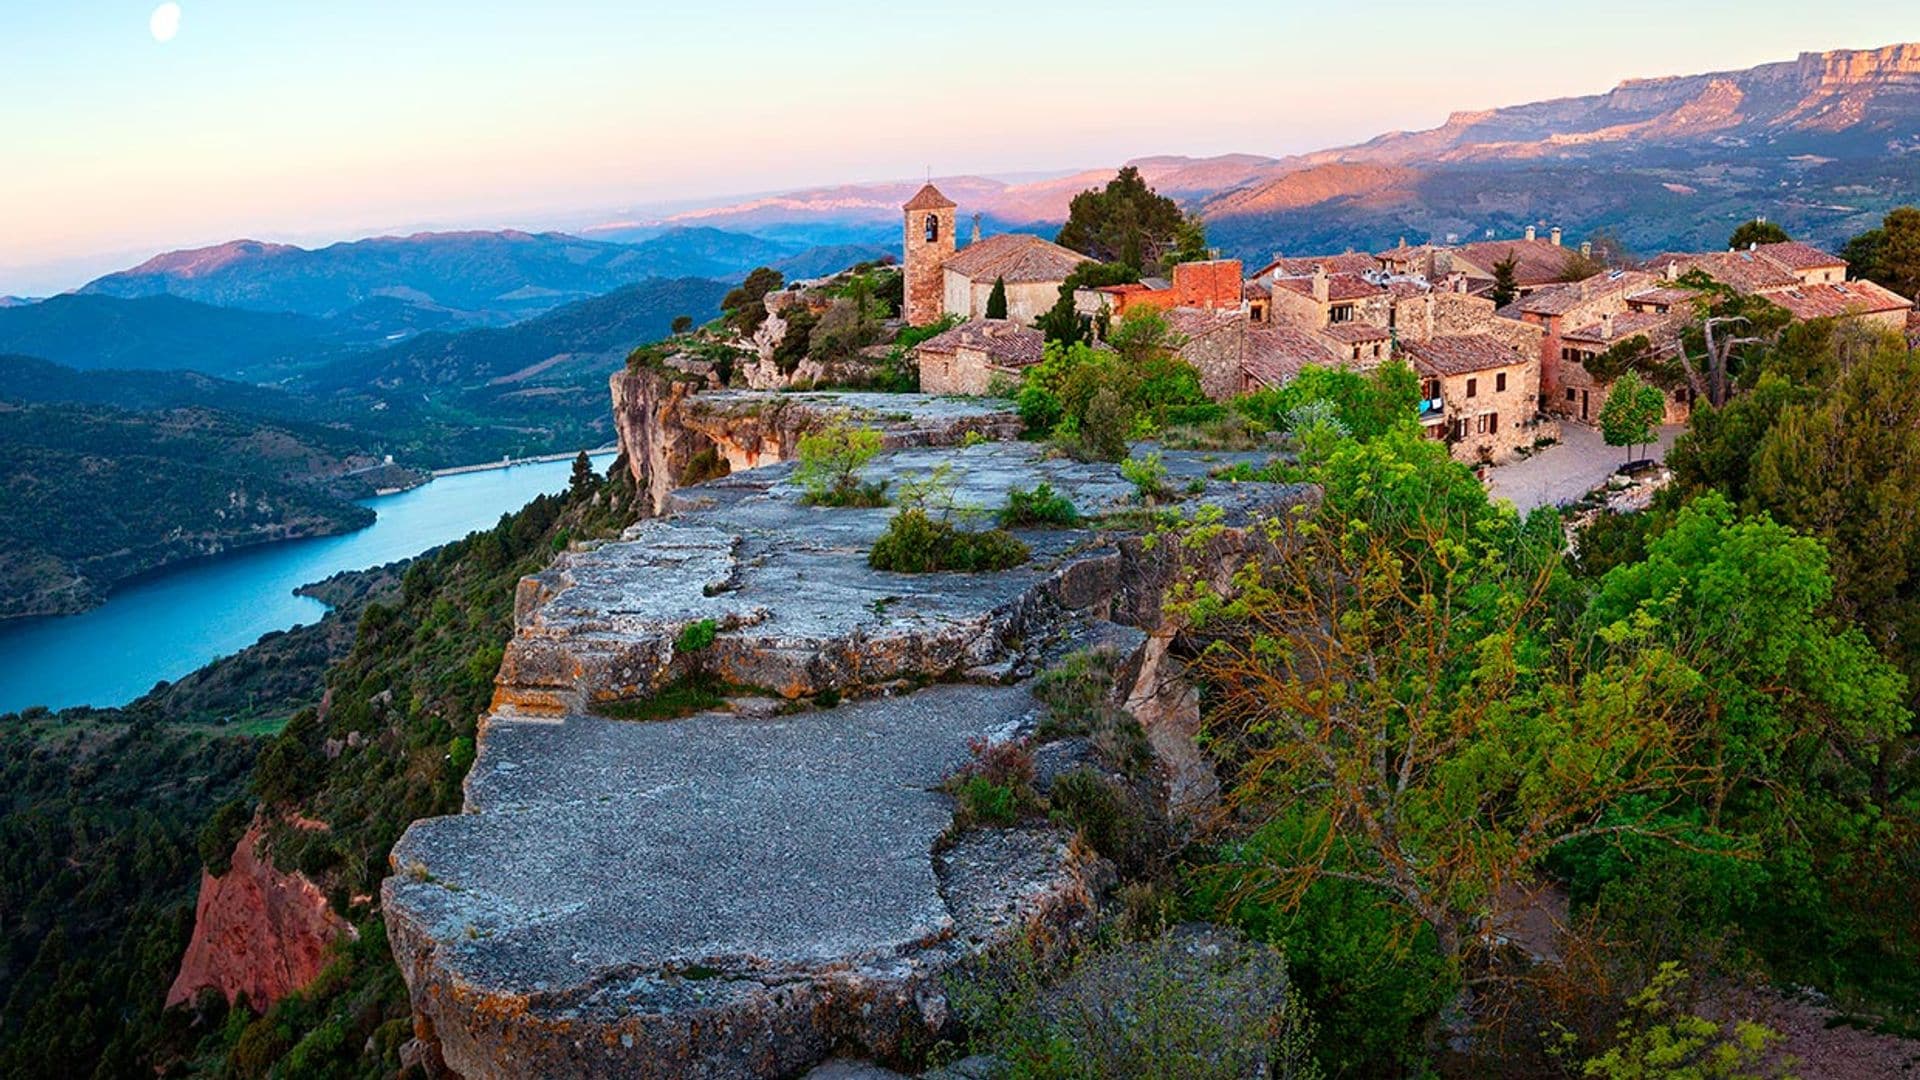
(943, 279)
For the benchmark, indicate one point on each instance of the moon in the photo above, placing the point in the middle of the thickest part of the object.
(165, 22)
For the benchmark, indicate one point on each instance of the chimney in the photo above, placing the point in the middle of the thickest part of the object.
(1586, 249)
(976, 227)
(1321, 290)
(1606, 326)
(1673, 271)
(1532, 234)
(1555, 236)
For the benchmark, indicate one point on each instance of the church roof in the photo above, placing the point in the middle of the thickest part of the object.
(929, 198)
(1015, 258)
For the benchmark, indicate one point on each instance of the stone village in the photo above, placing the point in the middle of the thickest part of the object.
(1495, 380)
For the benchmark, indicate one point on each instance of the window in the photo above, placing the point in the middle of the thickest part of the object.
(1431, 389)
(1500, 383)
(1473, 387)
(1569, 393)
(1341, 313)
(933, 228)
(1493, 423)
(1480, 424)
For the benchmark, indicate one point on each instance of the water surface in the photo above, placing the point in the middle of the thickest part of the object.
(167, 625)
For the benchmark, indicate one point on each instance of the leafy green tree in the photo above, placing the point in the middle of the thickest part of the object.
(745, 305)
(682, 324)
(1126, 222)
(1757, 231)
(1890, 254)
(1506, 284)
(1845, 469)
(997, 299)
(1365, 406)
(830, 464)
(1631, 417)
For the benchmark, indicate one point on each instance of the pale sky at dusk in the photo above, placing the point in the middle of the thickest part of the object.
(315, 121)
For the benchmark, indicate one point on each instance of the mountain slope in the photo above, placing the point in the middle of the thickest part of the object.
(165, 332)
(469, 278)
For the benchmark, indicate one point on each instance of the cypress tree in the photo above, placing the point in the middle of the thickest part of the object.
(997, 299)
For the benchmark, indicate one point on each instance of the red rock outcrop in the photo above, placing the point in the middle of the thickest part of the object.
(256, 931)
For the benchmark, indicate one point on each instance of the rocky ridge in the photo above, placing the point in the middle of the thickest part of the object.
(754, 889)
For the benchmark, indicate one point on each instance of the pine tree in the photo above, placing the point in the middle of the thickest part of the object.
(583, 475)
(1506, 285)
(997, 299)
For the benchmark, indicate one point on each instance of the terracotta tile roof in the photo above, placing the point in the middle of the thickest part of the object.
(1192, 323)
(929, 198)
(1746, 271)
(1462, 355)
(1536, 262)
(1794, 255)
(1352, 262)
(1668, 296)
(1341, 288)
(1560, 299)
(1006, 343)
(1834, 301)
(1015, 258)
(1275, 354)
(1625, 325)
(1357, 333)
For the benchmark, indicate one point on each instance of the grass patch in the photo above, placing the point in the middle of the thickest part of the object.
(674, 701)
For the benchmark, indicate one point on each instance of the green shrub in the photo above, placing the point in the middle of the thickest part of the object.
(1148, 475)
(696, 636)
(1079, 694)
(984, 802)
(1041, 506)
(916, 543)
(830, 464)
(995, 788)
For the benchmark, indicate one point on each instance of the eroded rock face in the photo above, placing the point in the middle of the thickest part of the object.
(665, 425)
(256, 931)
(747, 895)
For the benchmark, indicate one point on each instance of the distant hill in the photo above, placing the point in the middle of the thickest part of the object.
(165, 332)
(436, 280)
(590, 334)
(97, 495)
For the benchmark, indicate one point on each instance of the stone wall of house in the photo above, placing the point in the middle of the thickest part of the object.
(1580, 396)
(1291, 307)
(1219, 357)
(1515, 405)
(1026, 300)
(963, 371)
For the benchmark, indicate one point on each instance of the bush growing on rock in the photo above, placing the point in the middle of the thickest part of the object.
(1042, 506)
(830, 464)
(696, 636)
(918, 543)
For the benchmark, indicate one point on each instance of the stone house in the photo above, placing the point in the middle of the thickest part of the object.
(969, 358)
(1537, 263)
(1211, 285)
(1480, 394)
(1324, 299)
(1578, 395)
(943, 279)
(1277, 353)
(1214, 343)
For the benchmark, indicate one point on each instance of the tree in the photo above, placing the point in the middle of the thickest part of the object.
(1506, 286)
(997, 299)
(1398, 702)
(745, 304)
(1633, 411)
(682, 324)
(1890, 254)
(583, 480)
(1062, 323)
(1757, 231)
(1127, 222)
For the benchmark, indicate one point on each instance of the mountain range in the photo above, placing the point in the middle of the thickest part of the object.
(400, 285)
(1825, 144)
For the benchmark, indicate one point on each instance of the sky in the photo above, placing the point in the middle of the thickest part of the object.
(309, 121)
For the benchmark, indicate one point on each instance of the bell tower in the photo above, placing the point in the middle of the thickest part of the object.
(929, 244)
